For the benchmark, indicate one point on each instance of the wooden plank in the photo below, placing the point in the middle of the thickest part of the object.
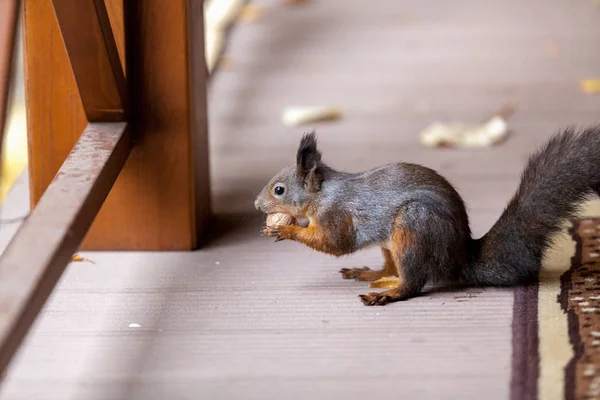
(9, 10)
(56, 228)
(153, 203)
(93, 55)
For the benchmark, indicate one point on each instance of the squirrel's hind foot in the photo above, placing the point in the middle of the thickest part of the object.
(382, 298)
(385, 297)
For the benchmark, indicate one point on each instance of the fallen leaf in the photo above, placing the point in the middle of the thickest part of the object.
(458, 134)
(590, 86)
(78, 258)
(295, 116)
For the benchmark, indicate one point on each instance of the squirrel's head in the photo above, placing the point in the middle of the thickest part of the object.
(291, 190)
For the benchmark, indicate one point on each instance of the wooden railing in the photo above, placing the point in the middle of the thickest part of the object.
(126, 157)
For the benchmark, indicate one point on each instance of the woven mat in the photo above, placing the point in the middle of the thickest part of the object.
(556, 323)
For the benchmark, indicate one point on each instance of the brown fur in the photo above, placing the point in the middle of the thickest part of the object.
(317, 236)
(388, 282)
(368, 275)
(400, 240)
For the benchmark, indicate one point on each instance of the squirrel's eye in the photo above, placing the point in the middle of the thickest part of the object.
(279, 190)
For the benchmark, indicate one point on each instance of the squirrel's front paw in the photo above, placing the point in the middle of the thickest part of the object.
(272, 231)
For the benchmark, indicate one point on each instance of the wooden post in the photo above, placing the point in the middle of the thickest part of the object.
(161, 199)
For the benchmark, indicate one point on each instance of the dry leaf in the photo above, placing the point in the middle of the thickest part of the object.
(463, 135)
(458, 134)
(590, 86)
(294, 116)
(78, 258)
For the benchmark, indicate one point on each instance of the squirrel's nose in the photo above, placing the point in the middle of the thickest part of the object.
(256, 205)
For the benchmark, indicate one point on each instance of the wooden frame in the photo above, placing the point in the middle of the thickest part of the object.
(127, 157)
(160, 200)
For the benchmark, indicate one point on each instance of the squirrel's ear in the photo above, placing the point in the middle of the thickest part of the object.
(308, 156)
(308, 162)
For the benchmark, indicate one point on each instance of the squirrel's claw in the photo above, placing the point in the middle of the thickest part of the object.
(352, 273)
(379, 299)
(373, 299)
(272, 231)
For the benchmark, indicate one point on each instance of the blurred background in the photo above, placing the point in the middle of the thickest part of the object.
(14, 146)
(392, 69)
(389, 70)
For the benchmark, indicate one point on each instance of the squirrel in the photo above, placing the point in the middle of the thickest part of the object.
(420, 221)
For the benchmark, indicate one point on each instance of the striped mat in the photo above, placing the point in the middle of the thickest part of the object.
(556, 323)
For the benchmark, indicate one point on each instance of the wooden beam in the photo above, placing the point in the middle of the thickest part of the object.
(9, 10)
(37, 256)
(161, 199)
(116, 16)
(94, 59)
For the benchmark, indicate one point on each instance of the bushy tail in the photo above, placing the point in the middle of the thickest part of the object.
(556, 180)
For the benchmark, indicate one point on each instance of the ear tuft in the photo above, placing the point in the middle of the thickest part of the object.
(308, 162)
(308, 156)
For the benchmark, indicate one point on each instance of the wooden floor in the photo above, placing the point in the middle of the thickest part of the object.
(246, 318)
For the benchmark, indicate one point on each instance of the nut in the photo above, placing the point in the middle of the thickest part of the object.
(280, 219)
